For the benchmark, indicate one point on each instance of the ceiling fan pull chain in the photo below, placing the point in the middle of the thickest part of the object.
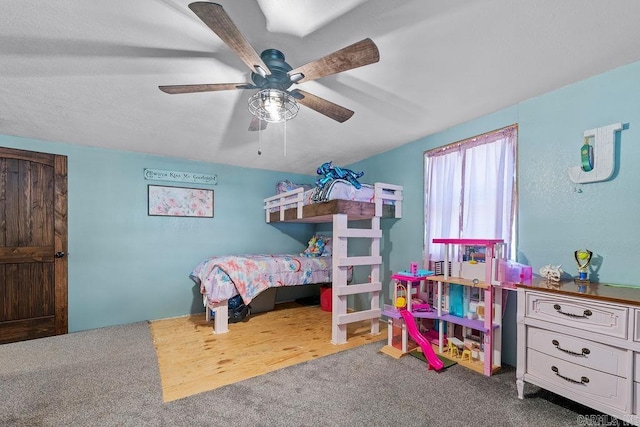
(285, 138)
(260, 138)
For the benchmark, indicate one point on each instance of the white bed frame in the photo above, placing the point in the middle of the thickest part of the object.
(293, 200)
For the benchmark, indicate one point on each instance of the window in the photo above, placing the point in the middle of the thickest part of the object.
(470, 191)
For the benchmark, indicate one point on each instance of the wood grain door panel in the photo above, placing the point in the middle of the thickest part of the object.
(33, 227)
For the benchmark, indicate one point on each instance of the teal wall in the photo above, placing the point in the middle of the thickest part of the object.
(125, 266)
(556, 216)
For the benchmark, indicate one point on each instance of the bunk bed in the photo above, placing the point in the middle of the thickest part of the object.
(302, 205)
(385, 202)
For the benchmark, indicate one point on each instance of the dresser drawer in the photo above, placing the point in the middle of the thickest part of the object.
(583, 352)
(636, 363)
(579, 381)
(636, 325)
(582, 314)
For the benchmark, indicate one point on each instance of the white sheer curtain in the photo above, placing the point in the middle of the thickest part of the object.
(470, 190)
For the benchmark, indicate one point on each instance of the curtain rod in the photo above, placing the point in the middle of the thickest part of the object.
(447, 147)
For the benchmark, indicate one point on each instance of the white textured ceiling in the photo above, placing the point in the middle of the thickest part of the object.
(87, 72)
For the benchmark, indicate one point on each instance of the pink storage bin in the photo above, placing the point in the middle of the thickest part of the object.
(512, 273)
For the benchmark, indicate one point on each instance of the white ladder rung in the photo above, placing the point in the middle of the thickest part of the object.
(358, 289)
(360, 260)
(361, 232)
(359, 316)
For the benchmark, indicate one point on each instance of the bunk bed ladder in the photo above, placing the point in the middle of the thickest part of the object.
(341, 289)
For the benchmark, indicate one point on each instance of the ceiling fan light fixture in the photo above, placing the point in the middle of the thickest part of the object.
(273, 106)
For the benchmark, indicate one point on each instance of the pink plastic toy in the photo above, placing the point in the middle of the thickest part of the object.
(421, 307)
(433, 360)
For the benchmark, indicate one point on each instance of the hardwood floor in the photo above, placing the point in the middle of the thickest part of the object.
(192, 359)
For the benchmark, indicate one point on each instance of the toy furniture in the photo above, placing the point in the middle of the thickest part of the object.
(581, 341)
(425, 345)
(402, 321)
(456, 343)
(453, 349)
(404, 285)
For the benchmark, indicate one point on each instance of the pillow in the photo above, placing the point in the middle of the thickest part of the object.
(286, 185)
(315, 247)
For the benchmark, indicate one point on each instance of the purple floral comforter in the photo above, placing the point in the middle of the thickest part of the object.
(222, 277)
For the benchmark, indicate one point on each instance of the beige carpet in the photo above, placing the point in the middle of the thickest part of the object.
(192, 359)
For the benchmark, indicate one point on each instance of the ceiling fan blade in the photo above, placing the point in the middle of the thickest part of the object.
(362, 53)
(257, 124)
(220, 23)
(322, 106)
(204, 87)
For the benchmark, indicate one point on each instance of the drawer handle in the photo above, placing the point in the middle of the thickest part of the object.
(585, 315)
(583, 380)
(585, 351)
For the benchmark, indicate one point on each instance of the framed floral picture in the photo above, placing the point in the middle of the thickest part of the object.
(180, 201)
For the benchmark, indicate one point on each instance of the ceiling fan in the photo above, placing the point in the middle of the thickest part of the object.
(273, 76)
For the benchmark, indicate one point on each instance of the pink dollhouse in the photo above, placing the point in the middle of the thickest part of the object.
(464, 300)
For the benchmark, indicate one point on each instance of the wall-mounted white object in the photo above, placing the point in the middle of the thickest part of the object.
(603, 152)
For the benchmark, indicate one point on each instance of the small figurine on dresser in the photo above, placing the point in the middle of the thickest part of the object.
(583, 259)
(551, 272)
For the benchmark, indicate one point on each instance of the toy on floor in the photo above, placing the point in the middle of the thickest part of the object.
(402, 302)
(433, 360)
(330, 172)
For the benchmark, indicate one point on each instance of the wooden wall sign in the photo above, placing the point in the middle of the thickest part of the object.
(177, 176)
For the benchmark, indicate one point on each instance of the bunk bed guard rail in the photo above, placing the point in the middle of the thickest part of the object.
(383, 194)
(284, 201)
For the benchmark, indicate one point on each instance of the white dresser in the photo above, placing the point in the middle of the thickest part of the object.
(582, 342)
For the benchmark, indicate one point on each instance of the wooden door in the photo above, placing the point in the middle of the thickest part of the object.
(33, 245)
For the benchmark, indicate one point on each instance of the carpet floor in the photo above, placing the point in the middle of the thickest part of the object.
(109, 377)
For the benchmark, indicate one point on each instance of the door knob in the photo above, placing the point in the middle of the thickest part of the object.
(59, 254)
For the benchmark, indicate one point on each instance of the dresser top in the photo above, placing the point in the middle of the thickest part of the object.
(592, 290)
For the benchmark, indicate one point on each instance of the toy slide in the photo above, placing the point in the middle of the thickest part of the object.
(415, 334)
